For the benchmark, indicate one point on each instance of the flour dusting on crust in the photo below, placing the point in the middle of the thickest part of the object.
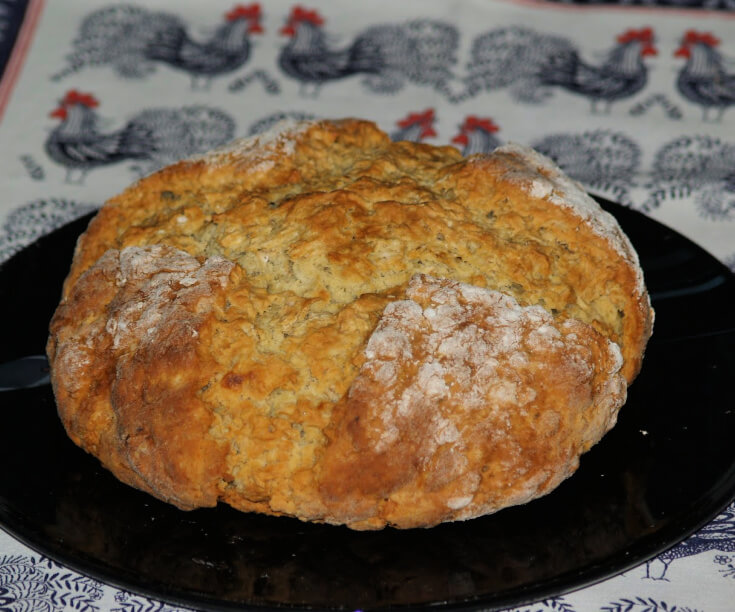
(158, 281)
(457, 340)
(261, 150)
(454, 368)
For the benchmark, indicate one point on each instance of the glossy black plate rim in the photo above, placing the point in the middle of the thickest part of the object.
(637, 553)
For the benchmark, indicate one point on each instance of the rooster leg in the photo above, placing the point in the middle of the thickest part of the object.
(706, 114)
(309, 92)
(201, 82)
(606, 110)
(75, 176)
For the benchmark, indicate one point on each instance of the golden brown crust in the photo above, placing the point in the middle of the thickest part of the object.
(216, 337)
(466, 403)
(126, 378)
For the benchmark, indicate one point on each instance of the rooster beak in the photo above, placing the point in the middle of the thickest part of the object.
(59, 113)
(288, 30)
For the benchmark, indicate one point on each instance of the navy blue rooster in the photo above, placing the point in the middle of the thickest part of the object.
(153, 138)
(622, 74)
(419, 51)
(132, 40)
(703, 79)
(531, 63)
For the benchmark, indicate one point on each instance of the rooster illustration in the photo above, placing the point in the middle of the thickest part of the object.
(153, 138)
(695, 166)
(602, 160)
(132, 40)
(532, 63)
(419, 51)
(414, 127)
(703, 79)
(622, 74)
(477, 135)
(509, 57)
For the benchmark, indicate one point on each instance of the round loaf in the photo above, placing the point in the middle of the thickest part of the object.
(321, 323)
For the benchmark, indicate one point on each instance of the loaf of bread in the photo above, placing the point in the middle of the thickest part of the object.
(321, 323)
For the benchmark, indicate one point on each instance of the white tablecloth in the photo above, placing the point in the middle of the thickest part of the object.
(646, 118)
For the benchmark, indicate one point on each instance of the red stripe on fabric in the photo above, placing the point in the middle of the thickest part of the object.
(20, 50)
(657, 10)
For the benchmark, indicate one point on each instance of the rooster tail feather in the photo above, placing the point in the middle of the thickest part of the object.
(506, 56)
(165, 43)
(560, 67)
(171, 134)
(206, 128)
(119, 36)
(530, 90)
(421, 51)
(367, 55)
(435, 45)
(135, 141)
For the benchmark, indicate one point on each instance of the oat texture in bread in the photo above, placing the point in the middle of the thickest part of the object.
(318, 322)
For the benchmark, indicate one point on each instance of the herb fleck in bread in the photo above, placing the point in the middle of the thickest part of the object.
(318, 322)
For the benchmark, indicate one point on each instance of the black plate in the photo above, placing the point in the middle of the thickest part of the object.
(666, 469)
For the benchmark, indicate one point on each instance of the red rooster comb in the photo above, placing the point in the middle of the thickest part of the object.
(425, 119)
(479, 123)
(472, 123)
(249, 13)
(77, 97)
(644, 36)
(252, 11)
(299, 14)
(71, 98)
(412, 118)
(692, 37)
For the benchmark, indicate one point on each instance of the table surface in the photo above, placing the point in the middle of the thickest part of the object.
(638, 105)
